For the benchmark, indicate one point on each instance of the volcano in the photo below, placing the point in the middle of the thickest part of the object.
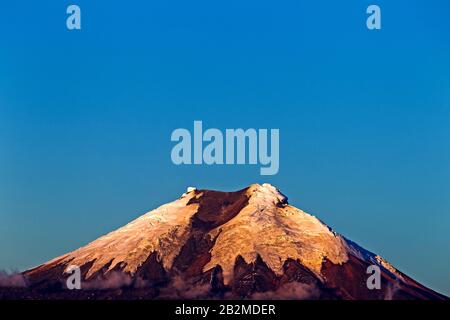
(248, 244)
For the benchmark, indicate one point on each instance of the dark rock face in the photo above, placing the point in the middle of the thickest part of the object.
(188, 277)
(252, 277)
(216, 208)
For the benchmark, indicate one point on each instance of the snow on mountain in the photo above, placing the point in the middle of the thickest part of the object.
(270, 228)
(229, 244)
(164, 230)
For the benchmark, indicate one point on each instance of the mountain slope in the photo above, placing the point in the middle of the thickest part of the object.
(210, 244)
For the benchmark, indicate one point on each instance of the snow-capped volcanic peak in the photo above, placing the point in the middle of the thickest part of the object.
(266, 226)
(239, 242)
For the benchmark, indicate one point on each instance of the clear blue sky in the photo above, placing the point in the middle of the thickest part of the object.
(364, 117)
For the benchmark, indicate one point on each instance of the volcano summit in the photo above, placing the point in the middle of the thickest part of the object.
(230, 245)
